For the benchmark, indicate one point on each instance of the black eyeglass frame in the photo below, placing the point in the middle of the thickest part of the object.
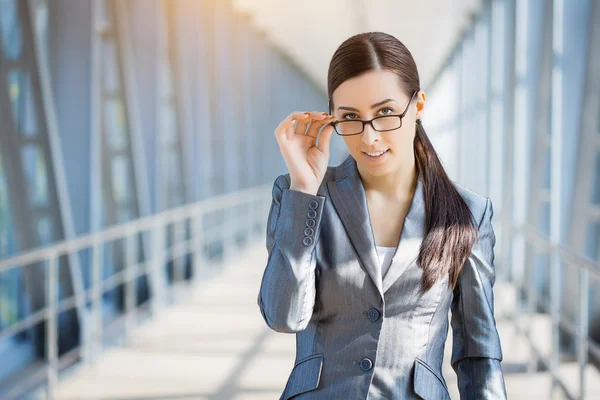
(335, 123)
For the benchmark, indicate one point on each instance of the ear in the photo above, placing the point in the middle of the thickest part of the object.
(421, 99)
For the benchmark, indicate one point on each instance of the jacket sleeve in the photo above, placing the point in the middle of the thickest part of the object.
(476, 349)
(287, 292)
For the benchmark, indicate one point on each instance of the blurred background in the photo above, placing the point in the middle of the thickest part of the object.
(137, 158)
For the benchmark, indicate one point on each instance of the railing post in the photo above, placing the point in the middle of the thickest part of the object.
(555, 285)
(226, 235)
(129, 280)
(197, 244)
(531, 307)
(179, 259)
(95, 330)
(582, 331)
(156, 272)
(97, 290)
(51, 325)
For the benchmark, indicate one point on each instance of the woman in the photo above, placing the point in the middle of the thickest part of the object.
(367, 258)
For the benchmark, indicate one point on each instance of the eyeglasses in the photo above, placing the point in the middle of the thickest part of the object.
(382, 123)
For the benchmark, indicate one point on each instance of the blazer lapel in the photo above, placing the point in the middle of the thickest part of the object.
(411, 238)
(349, 199)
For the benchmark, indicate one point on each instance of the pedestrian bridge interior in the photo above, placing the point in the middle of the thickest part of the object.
(137, 159)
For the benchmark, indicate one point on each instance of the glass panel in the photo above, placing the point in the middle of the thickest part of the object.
(123, 214)
(120, 183)
(115, 126)
(8, 243)
(596, 185)
(10, 280)
(23, 106)
(109, 67)
(593, 240)
(14, 351)
(44, 230)
(10, 287)
(173, 178)
(35, 170)
(167, 126)
(10, 29)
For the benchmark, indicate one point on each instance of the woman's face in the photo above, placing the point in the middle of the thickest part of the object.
(373, 94)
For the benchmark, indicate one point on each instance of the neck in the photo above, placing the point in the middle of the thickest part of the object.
(398, 185)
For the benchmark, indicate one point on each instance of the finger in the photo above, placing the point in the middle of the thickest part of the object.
(313, 116)
(283, 131)
(315, 126)
(325, 139)
(296, 115)
(286, 127)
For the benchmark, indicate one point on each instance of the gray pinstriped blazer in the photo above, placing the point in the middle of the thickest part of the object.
(363, 336)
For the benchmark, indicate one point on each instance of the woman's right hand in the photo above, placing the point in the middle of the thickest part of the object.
(306, 162)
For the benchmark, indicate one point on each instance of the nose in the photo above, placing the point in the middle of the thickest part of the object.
(369, 135)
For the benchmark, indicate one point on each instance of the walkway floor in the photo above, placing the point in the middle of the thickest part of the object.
(213, 344)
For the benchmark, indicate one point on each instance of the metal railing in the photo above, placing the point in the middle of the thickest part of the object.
(559, 257)
(189, 238)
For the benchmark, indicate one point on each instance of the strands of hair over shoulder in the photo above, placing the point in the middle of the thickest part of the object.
(450, 229)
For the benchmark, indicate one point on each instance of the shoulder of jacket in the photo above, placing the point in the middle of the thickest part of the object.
(476, 202)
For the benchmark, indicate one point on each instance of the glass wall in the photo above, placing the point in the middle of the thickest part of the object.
(112, 110)
(511, 117)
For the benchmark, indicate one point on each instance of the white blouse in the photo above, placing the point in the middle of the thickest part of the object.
(385, 258)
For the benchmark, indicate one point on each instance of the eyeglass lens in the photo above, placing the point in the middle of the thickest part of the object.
(387, 123)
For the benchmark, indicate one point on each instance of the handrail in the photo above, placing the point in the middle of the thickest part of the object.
(567, 254)
(587, 269)
(92, 326)
(135, 226)
(91, 339)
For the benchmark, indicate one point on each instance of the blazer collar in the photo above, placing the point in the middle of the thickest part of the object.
(348, 196)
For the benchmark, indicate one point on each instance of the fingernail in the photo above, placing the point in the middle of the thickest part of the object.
(307, 113)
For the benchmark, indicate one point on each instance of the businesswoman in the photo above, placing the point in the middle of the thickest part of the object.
(367, 258)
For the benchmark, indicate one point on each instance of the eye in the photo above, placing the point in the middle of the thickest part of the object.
(387, 108)
(345, 115)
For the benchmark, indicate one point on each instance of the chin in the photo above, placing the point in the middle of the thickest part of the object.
(380, 169)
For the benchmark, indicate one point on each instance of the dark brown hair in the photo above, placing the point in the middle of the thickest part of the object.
(450, 229)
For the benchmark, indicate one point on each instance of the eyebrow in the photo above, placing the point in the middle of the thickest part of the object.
(373, 106)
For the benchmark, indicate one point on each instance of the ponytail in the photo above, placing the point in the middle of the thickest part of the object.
(450, 229)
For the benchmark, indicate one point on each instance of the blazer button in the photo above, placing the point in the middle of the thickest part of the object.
(313, 204)
(373, 314)
(307, 241)
(366, 364)
(310, 223)
(312, 214)
(309, 231)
